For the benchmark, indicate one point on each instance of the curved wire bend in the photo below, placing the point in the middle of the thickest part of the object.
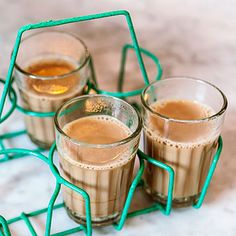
(130, 195)
(93, 84)
(120, 93)
(4, 225)
(52, 23)
(167, 209)
(59, 181)
(80, 191)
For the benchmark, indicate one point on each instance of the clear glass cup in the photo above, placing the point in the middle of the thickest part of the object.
(187, 145)
(107, 176)
(51, 68)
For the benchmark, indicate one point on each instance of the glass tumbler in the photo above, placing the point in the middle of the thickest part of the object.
(103, 169)
(51, 68)
(186, 144)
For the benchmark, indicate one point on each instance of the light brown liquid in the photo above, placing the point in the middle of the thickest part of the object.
(105, 173)
(187, 147)
(46, 95)
(51, 68)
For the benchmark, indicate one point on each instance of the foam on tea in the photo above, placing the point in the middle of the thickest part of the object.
(180, 110)
(98, 129)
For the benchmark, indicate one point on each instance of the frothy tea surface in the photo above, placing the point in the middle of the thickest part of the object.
(180, 110)
(98, 129)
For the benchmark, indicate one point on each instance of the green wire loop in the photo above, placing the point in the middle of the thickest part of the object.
(59, 181)
(3, 223)
(123, 64)
(52, 23)
(80, 191)
(137, 180)
(166, 210)
(93, 84)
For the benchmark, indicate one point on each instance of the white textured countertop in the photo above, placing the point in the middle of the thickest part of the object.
(193, 38)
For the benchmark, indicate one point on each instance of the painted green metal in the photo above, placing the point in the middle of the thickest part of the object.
(8, 89)
(28, 224)
(61, 181)
(164, 209)
(10, 135)
(3, 223)
(125, 214)
(125, 50)
(80, 191)
(52, 23)
(93, 84)
(133, 186)
(12, 154)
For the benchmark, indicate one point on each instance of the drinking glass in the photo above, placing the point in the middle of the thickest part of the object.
(188, 146)
(51, 68)
(107, 176)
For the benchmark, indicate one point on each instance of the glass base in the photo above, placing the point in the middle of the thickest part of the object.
(40, 144)
(176, 202)
(96, 222)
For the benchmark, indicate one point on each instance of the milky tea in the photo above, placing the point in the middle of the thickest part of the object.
(98, 156)
(180, 133)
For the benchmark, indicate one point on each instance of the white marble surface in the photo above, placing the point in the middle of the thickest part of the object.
(194, 38)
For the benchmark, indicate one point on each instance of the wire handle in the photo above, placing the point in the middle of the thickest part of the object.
(52, 23)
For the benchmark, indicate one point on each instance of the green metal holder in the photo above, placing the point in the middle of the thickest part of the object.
(91, 84)
(14, 153)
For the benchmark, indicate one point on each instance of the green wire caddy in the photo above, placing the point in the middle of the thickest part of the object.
(14, 153)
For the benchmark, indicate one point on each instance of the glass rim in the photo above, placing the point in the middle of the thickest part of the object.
(134, 134)
(33, 76)
(205, 119)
